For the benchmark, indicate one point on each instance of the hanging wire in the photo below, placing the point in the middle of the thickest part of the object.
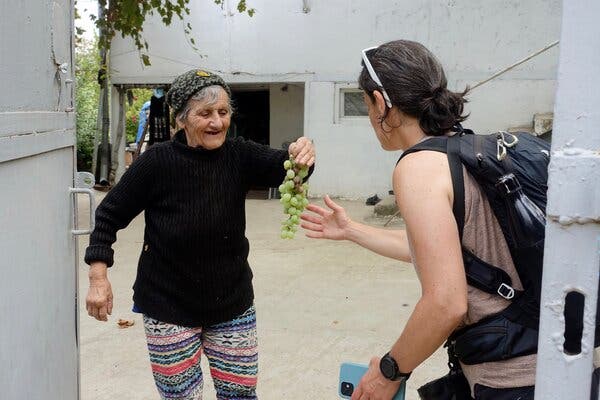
(529, 57)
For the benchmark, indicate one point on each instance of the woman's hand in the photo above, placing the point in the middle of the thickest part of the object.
(303, 151)
(374, 386)
(99, 300)
(326, 224)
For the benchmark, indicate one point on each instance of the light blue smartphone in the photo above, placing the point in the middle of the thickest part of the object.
(350, 374)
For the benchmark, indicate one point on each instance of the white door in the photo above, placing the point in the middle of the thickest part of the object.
(38, 314)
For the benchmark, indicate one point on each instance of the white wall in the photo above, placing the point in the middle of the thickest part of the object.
(281, 43)
(351, 162)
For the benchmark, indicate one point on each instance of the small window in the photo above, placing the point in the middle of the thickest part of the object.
(352, 103)
(349, 105)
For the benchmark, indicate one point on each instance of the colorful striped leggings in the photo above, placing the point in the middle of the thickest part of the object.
(231, 349)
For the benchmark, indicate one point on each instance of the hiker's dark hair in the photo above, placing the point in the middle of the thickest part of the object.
(416, 83)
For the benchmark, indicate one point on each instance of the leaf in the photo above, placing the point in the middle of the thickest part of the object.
(125, 323)
(146, 60)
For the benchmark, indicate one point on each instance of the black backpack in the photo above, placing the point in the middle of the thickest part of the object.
(514, 331)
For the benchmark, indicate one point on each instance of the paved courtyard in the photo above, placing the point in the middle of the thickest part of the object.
(318, 303)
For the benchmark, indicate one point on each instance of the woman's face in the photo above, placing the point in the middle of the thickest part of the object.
(206, 124)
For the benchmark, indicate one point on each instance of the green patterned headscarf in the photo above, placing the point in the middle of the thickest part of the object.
(188, 84)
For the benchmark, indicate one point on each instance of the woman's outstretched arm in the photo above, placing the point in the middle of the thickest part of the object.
(334, 224)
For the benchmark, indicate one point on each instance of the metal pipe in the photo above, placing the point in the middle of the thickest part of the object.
(103, 115)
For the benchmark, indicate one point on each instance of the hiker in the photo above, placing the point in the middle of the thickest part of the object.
(193, 284)
(405, 90)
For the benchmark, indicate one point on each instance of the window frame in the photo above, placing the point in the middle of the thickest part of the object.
(339, 118)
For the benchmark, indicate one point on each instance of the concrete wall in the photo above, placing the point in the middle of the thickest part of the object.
(321, 47)
(354, 164)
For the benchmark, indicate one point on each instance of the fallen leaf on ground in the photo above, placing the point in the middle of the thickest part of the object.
(125, 323)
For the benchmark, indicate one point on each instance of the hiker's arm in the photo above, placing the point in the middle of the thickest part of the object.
(336, 225)
(388, 243)
(433, 234)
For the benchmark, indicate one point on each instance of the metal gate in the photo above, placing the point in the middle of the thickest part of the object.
(38, 288)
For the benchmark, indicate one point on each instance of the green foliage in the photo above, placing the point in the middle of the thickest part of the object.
(140, 96)
(128, 16)
(86, 97)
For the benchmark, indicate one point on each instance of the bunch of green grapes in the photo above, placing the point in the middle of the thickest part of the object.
(293, 197)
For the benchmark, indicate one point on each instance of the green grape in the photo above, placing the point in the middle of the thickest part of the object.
(294, 193)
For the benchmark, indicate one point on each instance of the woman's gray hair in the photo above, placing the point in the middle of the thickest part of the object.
(209, 95)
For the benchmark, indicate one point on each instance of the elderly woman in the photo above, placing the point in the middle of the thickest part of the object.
(193, 284)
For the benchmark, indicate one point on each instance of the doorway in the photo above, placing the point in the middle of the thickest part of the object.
(251, 120)
(251, 115)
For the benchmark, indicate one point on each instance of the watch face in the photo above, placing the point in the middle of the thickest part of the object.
(388, 368)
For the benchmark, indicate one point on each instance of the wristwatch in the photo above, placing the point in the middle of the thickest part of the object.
(389, 369)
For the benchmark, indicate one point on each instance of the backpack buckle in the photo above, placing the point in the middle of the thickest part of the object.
(506, 291)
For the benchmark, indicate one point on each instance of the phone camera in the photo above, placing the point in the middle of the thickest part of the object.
(347, 389)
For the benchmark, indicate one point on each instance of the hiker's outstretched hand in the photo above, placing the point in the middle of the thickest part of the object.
(322, 223)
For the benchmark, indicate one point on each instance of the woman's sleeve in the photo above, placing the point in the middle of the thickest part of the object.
(262, 165)
(121, 205)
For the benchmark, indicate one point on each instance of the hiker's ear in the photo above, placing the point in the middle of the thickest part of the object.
(379, 102)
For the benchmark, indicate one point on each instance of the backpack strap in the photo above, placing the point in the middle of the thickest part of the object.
(487, 277)
(450, 146)
(458, 184)
(480, 274)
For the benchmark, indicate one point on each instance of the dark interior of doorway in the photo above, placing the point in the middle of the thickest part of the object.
(251, 121)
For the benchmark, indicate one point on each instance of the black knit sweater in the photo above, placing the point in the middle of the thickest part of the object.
(193, 269)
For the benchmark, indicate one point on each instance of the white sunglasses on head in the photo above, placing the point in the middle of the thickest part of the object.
(374, 76)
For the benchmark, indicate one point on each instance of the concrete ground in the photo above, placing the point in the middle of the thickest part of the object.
(319, 303)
